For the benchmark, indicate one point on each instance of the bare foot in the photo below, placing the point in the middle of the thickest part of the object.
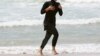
(54, 52)
(40, 53)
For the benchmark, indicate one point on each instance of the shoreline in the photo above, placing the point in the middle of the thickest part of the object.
(62, 54)
(65, 48)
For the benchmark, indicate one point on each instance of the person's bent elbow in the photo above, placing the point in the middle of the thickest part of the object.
(46, 10)
(42, 12)
(61, 14)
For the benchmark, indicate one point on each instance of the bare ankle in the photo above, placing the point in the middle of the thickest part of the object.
(53, 48)
(40, 51)
(54, 51)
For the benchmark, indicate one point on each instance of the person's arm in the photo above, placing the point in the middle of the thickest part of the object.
(50, 8)
(47, 8)
(60, 10)
(43, 8)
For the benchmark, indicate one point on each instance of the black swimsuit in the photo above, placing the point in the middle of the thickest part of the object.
(50, 19)
(50, 22)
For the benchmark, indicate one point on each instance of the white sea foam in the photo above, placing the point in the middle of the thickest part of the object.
(79, 21)
(81, 0)
(71, 1)
(70, 48)
(40, 22)
(21, 23)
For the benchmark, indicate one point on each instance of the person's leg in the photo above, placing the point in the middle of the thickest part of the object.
(47, 37)
(44, 42)
(54, 40)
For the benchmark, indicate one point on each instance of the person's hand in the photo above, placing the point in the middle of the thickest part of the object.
(50, 8)
(60, 7)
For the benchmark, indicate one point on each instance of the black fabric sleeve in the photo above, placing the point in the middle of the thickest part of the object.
(44, 7)
(60, 11)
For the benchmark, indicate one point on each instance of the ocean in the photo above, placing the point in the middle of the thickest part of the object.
(21, 25)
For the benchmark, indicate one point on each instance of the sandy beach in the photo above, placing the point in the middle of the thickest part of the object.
(68, 54)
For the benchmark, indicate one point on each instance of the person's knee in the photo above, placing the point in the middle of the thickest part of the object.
(56, 35)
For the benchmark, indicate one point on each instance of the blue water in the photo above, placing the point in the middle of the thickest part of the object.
(22, 24)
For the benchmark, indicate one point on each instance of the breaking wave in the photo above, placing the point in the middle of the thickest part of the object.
(59, 22)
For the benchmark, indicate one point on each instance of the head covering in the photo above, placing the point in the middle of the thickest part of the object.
(53, 0)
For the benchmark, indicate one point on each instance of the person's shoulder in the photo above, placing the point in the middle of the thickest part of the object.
(58, 3)
(47, 2)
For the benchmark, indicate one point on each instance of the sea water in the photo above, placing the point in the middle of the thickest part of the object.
(21, 25)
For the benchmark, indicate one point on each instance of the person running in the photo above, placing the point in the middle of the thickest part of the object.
(50, 8)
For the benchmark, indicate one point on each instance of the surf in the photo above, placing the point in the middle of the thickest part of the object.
(64, 48)
(59, 22)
